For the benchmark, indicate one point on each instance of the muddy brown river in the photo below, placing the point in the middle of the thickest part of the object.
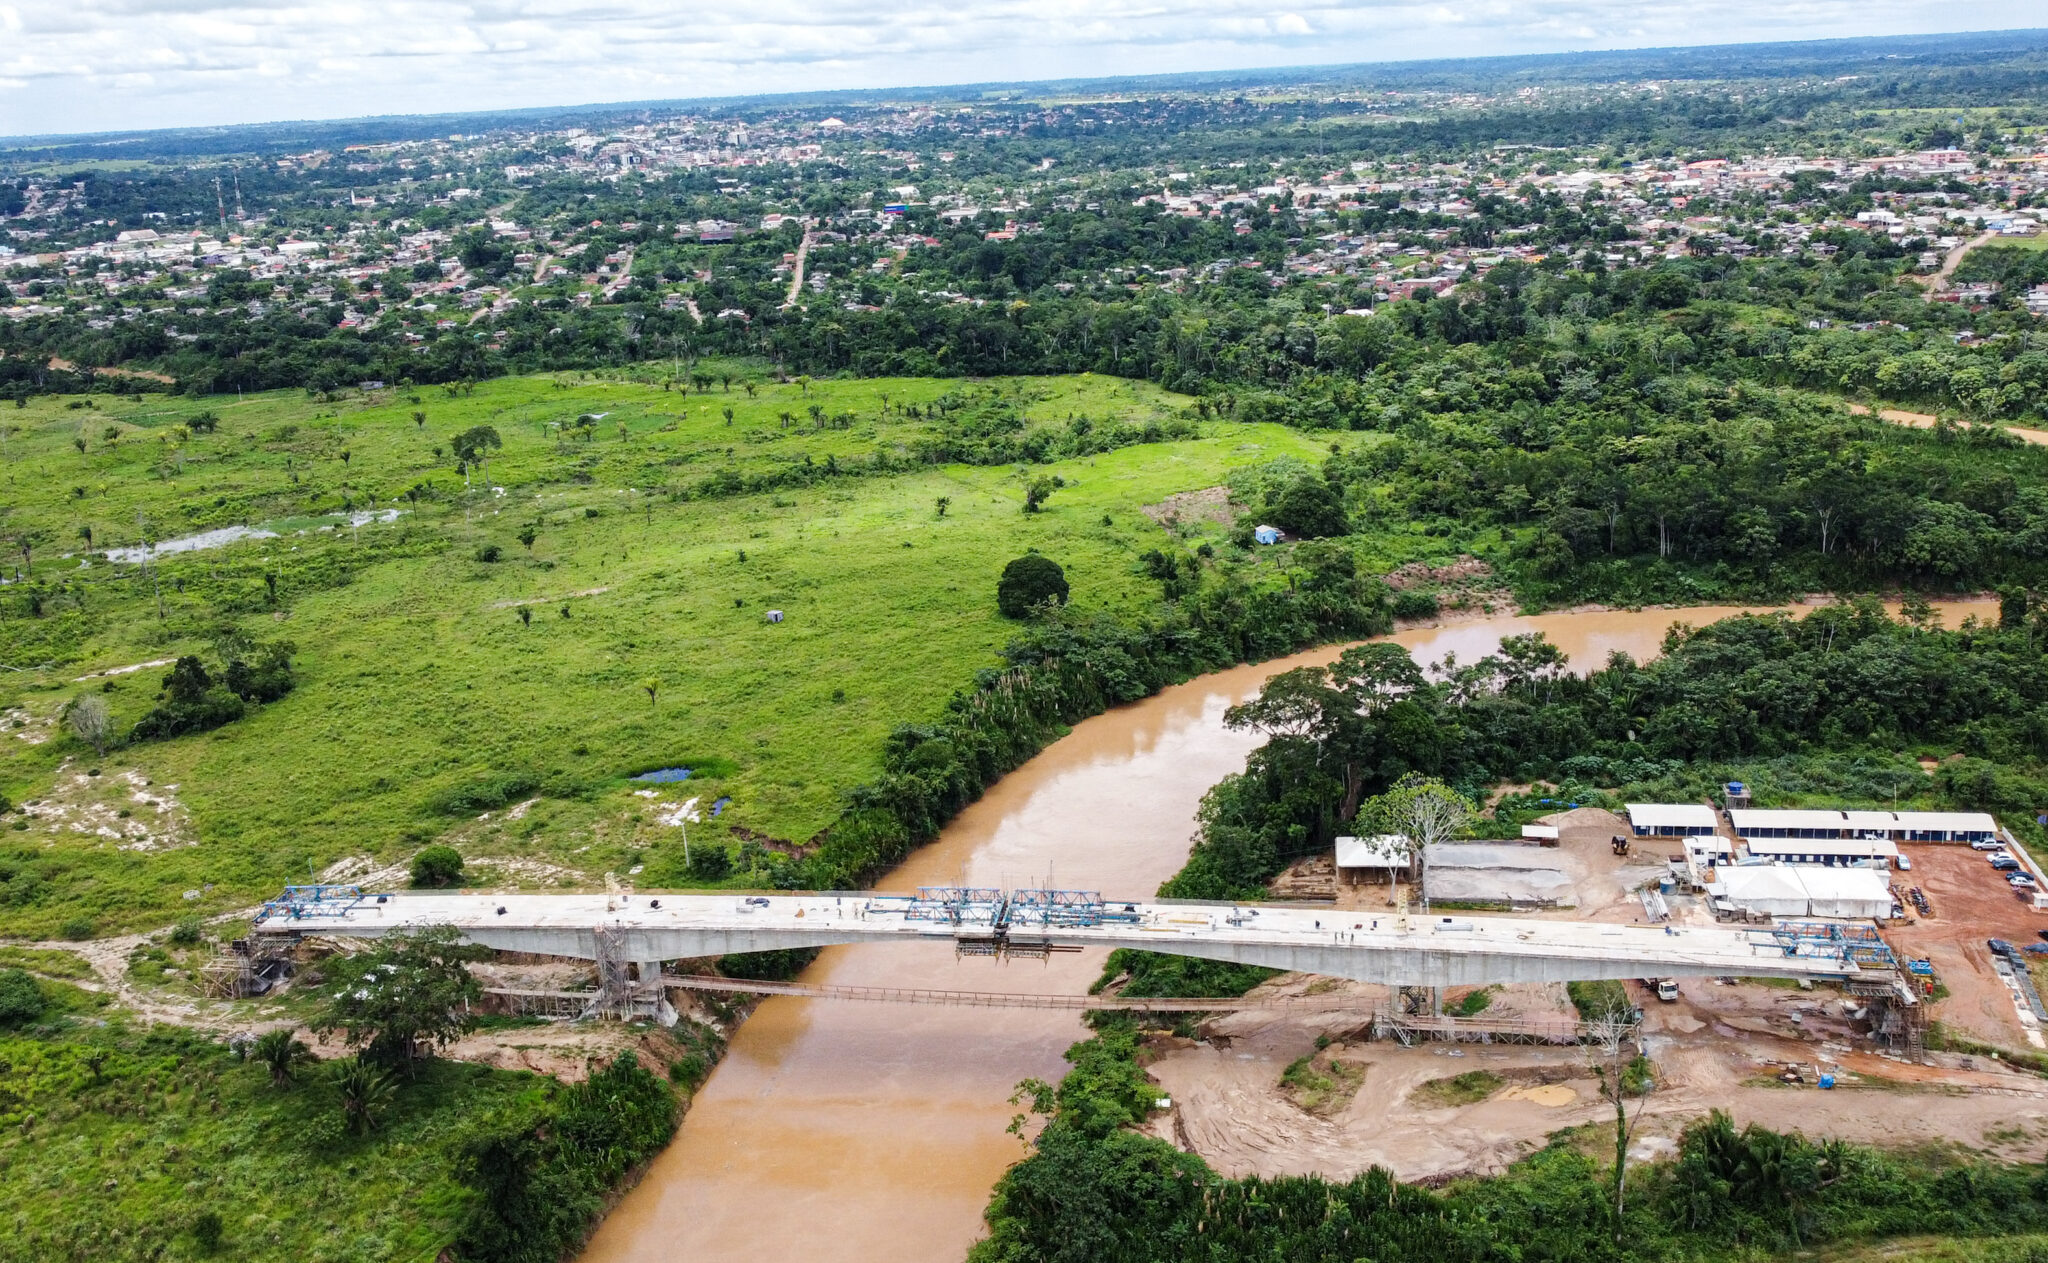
(850, 1132)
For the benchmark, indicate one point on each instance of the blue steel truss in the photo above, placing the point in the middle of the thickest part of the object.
(1064, 908)
(302, 901)
(956, 905)
(1830, 940)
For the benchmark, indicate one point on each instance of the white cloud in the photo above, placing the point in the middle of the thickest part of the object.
(105, 64)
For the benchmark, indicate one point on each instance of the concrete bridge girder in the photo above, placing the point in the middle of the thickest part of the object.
(1499, 951)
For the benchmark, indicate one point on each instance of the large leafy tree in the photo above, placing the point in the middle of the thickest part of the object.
(1029, 582)
(405, 996)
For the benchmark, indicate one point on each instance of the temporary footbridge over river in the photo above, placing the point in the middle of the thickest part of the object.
(1403, 949)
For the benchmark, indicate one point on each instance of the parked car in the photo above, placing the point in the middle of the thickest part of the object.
(1986, 844)
(1905, 865)
(2020, 881)
(2005, 863)
(1667, 990)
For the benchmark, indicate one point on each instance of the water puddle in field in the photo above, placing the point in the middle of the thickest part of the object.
(664, 775)
(872, 1133)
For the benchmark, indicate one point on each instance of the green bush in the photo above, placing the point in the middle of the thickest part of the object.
(710, 862)
(776, 965)
(21, 1000)
(1410, 604)
(488, 553)
(1029, 582)
(77, 929)
(1597, 999)
(206, 1231)
(436, 867)
(187, 932)
(488, 794)
(541, 1176)
(1310, 508)
(192, 702)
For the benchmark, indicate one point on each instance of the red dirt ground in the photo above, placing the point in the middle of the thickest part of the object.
(1972, 903)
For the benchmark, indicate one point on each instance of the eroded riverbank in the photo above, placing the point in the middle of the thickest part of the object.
(857, 1132)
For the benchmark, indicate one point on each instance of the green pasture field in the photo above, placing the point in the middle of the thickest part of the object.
(132, 1137)
(417, 677)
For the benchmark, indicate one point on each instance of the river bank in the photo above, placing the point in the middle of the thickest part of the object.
(872, 1132)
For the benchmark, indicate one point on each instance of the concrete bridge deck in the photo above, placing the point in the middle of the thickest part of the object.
(1414, 950)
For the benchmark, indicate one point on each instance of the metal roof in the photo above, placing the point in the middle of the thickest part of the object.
(1386, 850)
(1670, 815)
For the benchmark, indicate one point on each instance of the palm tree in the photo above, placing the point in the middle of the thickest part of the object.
(366, 1092)
(282, 1053)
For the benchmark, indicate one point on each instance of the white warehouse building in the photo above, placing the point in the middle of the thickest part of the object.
(1752, 824)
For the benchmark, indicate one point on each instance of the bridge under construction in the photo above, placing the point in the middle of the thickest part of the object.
(1396, 948)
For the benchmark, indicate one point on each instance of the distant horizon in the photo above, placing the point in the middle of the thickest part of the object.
(160, 67)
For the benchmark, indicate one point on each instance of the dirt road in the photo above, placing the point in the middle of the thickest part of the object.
(1720, 1047)
(1939, 280)
(1927, 421)
(796, 278)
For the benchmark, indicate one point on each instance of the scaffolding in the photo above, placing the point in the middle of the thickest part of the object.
(245, 967)
(1898, 1020)
(1409, 1029)
(614, 994)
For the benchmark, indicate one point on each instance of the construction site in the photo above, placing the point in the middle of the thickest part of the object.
(1430, 1026)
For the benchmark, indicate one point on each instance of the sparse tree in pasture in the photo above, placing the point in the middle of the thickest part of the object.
(90, 721)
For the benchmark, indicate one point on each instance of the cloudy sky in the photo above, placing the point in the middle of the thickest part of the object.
(95, 65)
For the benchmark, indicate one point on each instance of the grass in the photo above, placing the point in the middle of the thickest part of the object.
(1595, 999)
(1472, 1003)
(1320, 1083)
(45, 962)
(114, 1161)
(1468, 1088)
(418, 681)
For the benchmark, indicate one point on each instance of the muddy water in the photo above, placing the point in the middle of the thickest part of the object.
(855, 1132)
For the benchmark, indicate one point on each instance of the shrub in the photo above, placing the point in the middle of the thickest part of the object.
(437, 866)
(1311, 508)
(689, 1070)
(775, 965)
(1027, 583)
(187, 932)
(540, 1178)
(1597, 999)
(488, 794)
(21, 1000)
(77, 929)
(488, 553)
(206, 1231)
(1412, 604)
(192, 702)
(710, 863)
